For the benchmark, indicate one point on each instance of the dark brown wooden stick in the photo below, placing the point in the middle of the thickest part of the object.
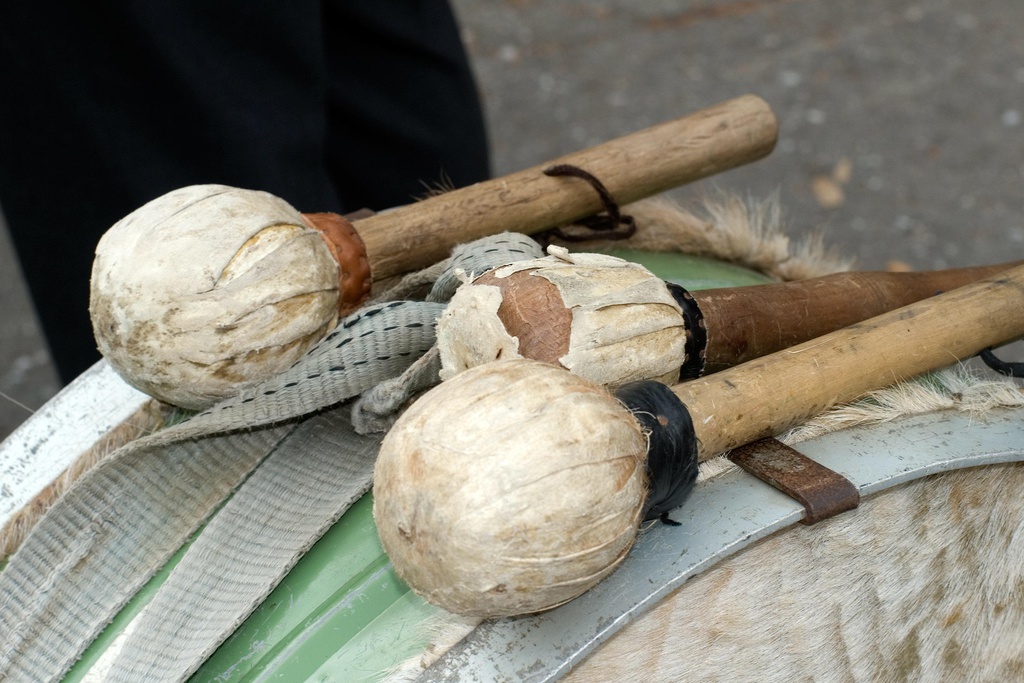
(639, 165)
(734, 324)
(749, 322)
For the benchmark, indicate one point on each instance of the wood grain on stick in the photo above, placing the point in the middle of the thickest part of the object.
(768, 395)
(639, 165)
(744, 323)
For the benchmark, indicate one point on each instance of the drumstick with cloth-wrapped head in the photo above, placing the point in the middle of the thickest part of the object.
(516, 486)
(613, 321)
(209, 289)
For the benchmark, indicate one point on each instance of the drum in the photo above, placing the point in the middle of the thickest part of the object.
(921, 582)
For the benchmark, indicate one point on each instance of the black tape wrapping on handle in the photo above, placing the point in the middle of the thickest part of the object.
(672, 450)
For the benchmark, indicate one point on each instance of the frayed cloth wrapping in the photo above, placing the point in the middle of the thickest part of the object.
(376, 410)
(625, 325)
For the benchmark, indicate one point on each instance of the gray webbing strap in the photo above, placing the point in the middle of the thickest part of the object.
(378, 408)
(473, 258)
(302, 488)
(375, 343)
(95, 549)
(120, 523)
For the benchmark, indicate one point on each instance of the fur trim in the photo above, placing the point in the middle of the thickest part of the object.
(442, 632)
(922, 583)
(746, 231)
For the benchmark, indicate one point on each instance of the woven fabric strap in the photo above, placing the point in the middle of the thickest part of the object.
(302, 488)
(121, 522)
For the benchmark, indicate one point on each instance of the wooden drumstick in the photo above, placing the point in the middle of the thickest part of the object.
(638, 165)
(210, 289)
(769, 395)
(517, 486)
(544, 309)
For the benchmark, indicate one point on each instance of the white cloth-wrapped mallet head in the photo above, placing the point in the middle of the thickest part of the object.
(490, 506)
(209, 289)
(603, 318)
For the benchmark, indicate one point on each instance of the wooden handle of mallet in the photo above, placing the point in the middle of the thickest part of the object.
(639, 165)
(744, 323)
(766, 396)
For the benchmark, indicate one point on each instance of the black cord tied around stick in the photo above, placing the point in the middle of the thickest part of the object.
(990, 359)
(610, 224)
(695, 350)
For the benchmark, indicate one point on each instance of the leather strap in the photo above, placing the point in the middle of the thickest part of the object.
(823, 492)
(354, 277)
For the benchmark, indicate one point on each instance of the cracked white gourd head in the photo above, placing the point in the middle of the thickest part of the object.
(600, 317)
(512, 488)
(210, 289)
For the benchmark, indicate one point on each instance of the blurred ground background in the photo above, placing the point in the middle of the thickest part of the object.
(901, 121)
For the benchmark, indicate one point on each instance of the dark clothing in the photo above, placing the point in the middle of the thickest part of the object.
(104, 105)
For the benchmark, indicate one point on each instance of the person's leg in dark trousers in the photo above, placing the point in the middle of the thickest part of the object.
(110, 104)
(404, 116)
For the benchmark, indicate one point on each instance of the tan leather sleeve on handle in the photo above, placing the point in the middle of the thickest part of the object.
(771, 394)
(632, 167)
